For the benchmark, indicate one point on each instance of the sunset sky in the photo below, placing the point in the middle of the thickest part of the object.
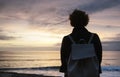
(43, 23)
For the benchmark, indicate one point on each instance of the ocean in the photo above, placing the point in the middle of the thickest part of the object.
(48, 62)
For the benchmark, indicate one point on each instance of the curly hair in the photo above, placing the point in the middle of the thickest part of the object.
(79, 18)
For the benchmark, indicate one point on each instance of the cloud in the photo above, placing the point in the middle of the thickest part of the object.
(112, 45)
(111, 26)
(99, 5)
(47, 14)
(5, 37)
(58, 44)
(1, 30)
(117, 38)
(39, 11)
(35, 12)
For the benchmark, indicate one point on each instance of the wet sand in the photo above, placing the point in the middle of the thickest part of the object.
(12, 74)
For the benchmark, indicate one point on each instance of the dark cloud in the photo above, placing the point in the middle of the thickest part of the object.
(33, 11)
(1, 30)
(112, 45)
(5, 37)
(49, 12)
(99, 5)
(39, 7)
(111, 26)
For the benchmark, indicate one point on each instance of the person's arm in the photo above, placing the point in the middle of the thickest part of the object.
(98, 49)
(63, 54)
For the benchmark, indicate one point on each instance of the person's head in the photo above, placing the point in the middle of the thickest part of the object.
(79, 18)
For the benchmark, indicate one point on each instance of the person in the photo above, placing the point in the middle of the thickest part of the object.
(79, 20)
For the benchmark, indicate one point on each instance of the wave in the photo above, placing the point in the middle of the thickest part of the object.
(111, 68)
(104, 68)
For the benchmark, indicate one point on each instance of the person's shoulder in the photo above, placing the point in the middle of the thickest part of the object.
(95, 34)
(66, 37)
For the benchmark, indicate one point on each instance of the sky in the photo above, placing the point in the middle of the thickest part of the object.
(43, 23)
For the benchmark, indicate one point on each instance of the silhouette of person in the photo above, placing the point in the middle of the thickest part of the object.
(79, 20)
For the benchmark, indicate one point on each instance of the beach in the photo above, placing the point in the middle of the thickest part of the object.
(107, 71)
(12, 74)
(47, 63)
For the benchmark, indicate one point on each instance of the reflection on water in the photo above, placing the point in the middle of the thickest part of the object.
(29, 59)
(111, 58)
(11, 59)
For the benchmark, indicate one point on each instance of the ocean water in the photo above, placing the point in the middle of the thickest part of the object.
(48, 62)
(25, 59)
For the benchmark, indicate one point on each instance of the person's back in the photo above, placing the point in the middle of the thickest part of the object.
(79, 20)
